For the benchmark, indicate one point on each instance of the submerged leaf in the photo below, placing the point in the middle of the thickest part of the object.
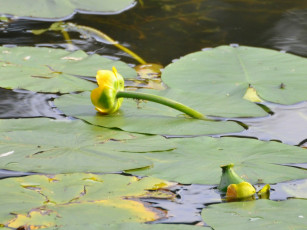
(298, 191)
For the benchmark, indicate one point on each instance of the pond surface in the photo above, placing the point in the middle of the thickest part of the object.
(162, 31)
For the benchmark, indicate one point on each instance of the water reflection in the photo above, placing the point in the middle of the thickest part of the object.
(288, 124)
(7, 174)
(20, 104)
(290, 33)
(160, 31)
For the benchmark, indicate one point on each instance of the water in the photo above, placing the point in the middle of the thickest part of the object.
(23, 104)
(164, 30)
(191, 199)
(161, 31)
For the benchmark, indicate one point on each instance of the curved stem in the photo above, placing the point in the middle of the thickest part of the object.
(109, 39)
(164, 101)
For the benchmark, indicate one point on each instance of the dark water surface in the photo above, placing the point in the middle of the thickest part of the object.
(161, 31)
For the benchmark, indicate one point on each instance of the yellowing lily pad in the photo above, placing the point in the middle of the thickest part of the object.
(62, 9)
(48, 146)
(260, 214)
(16, 199)
(52, 70)
(66, 199)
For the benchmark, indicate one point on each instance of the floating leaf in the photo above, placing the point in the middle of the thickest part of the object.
(62, 198)
(221, 76)
(52, 70)
(211, 90)
(16, 199)
(295, 190)
(198, 160)
(42, 145)
(142, 117)
(128, 226)
(62, 9)
(290, 214)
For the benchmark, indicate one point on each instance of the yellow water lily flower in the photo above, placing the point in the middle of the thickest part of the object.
(241, 190)
(104, 97)
(108, 97)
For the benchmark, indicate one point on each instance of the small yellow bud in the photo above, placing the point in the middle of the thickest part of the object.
(264, 193)
(241, 190)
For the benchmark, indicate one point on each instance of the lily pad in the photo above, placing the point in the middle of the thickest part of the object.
(47, 146)
(296, 190)
(198, 160)
(62, 198)
(128, 226)
(62, 9)
(16, 199)
(267, 214)
(52, 70)
(142, 117)
(226, 72)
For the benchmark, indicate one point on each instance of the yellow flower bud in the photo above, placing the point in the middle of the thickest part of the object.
(241, 190)
(104, 97)
(264, 193)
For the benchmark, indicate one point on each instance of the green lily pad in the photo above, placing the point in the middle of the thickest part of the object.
(47, 146)
(295, 190)
(52, 70)
(128, 226)
(142, 117)
(226, 72)
(198, 160)
(260, 214)
(62, 198)
(62, 9)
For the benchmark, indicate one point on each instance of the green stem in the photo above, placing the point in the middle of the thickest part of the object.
(164, 101)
